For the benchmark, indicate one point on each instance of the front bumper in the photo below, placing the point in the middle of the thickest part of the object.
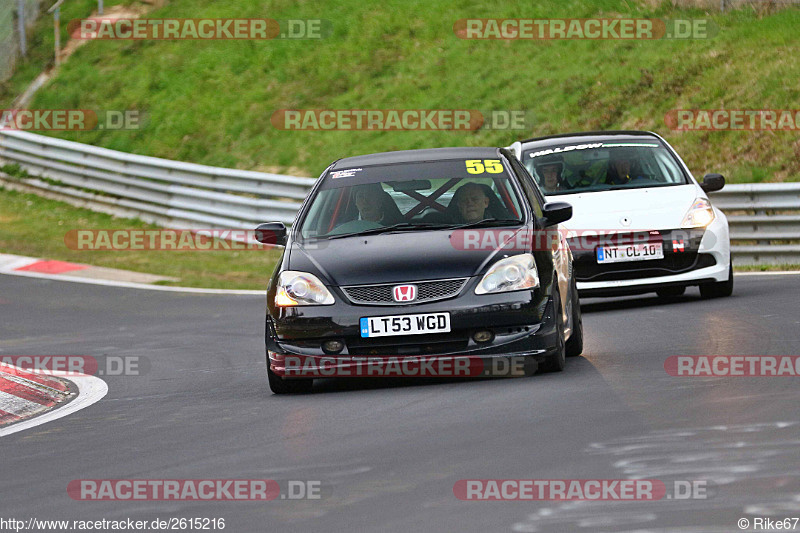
(522, 323)
(705, 258)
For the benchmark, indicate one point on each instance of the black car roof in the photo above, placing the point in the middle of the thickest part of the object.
(594, 136)
(413, 156)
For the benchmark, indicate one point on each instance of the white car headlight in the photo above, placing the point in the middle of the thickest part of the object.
(510, 274)
(301, 288)
(699, 215)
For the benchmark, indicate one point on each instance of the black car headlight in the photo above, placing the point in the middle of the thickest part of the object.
(301, 288)
(510, 274)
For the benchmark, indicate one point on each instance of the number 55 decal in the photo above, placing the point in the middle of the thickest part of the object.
(476, 166)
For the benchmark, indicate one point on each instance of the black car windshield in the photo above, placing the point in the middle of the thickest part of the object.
(601, 166)
(416, 196)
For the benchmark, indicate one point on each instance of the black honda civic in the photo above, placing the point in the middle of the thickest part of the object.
(438, 262)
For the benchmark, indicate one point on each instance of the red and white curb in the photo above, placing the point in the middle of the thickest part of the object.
(19, 263)
(31, 267)
(29, 399)
(24, 394)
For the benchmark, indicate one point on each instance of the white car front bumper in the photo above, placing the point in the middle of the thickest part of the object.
(715, 241)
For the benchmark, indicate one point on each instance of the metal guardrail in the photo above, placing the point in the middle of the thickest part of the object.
(764, 218)
(764, 221)
(161, 191)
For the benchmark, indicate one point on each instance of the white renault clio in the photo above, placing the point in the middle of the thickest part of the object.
(641, 222)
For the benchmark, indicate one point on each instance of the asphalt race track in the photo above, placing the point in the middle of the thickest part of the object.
(388, 453)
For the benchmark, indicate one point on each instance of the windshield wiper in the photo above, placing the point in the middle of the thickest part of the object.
(487, 221)
(402, 226)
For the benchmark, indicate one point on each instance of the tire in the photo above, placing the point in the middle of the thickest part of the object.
(718, 289)
(574, 346)
(670, 292)
(557, 361)
(285, 386)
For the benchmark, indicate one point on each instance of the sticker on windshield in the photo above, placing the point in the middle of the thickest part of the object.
(476, 166)
(565, 149)
(349, 173)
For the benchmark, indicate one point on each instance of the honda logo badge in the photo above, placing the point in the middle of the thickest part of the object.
(404, 293)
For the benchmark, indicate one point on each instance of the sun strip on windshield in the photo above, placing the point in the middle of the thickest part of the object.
(617, 145)
(573, 147)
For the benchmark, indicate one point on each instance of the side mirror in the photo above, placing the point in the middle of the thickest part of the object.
(712, 182)
(556, 212)
(273, 233)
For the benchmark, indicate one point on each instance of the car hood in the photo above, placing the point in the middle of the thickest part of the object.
(635, 209)
(391, 258)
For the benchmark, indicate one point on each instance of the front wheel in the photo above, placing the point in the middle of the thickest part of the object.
(557, 361)
(718, 289)
(574, 346)
(285, 386)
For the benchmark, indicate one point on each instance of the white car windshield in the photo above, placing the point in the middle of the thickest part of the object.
(600, 166)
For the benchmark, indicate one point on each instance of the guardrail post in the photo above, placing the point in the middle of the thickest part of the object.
(758, 212)
(23, 42)
(56, 11)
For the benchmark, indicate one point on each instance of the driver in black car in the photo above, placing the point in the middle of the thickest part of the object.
(472, 202)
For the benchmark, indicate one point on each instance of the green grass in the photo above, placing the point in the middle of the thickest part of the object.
(35, 226)
(765, 268)
(211, 102)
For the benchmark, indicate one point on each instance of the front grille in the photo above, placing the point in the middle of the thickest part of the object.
(588, 269)
(427, 291)
(672, 264)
